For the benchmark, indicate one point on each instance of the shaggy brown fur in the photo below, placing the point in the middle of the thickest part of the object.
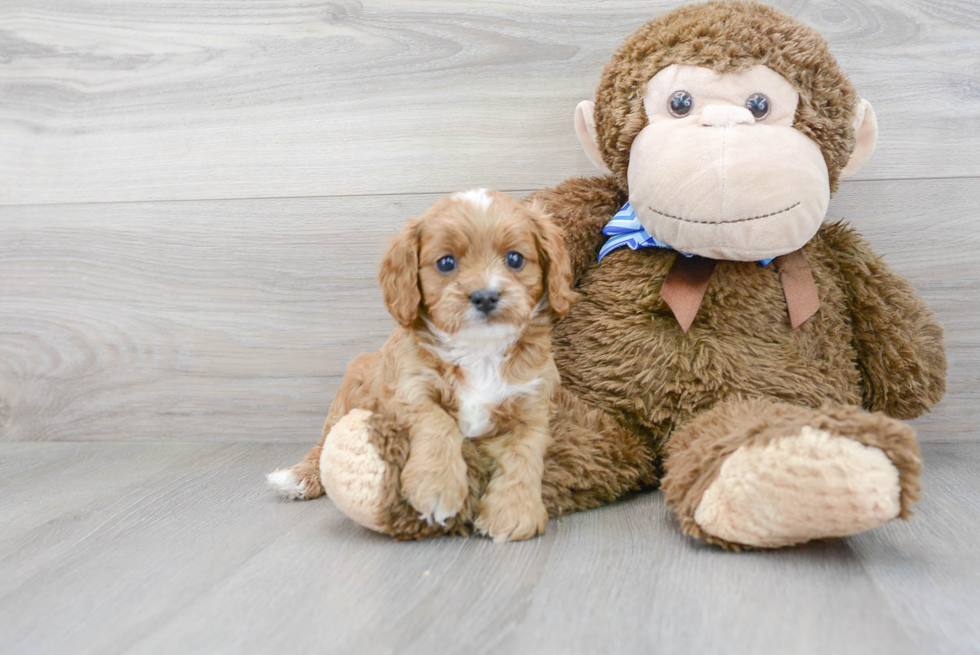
(638, 394)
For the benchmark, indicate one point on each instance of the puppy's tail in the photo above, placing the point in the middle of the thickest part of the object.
(299, 482)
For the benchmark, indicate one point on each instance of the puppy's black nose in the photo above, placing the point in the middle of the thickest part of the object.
(485, 300)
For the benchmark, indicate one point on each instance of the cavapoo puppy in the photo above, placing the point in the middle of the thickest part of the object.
(472, 283)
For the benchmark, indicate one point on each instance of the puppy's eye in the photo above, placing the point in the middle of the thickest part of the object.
(680, 104)
(515, 260)
(446, 265)
(758, 104)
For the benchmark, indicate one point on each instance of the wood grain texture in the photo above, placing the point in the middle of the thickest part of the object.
(152, 547)
(929, 568)
(235, 320)
(102, 100)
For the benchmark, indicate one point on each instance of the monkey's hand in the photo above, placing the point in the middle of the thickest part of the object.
(899, 344)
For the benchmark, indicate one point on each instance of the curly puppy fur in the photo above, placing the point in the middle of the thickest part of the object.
(458, 368)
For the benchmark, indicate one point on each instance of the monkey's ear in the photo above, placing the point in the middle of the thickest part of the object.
(585, 129)
(399, 275)
(866, 135)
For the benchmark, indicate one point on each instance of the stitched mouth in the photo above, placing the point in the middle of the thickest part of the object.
(737, 220)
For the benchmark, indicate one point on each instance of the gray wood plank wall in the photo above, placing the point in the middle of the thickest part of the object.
(194, 198)
(113, 101)
(235, 319)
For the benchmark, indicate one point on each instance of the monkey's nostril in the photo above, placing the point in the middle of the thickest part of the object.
(485, 300)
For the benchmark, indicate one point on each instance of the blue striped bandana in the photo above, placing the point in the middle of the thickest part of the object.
(625, 229)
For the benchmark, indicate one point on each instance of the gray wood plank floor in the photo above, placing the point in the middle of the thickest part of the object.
(174, 548)
(193, 201)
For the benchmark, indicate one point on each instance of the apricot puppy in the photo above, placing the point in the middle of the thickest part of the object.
(472, 283)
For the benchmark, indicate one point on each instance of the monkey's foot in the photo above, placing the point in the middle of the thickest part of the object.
(791, 474)
(809, 486)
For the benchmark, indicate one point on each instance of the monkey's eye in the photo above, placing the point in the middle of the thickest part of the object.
(515, 260)
(446, 265)
(680, 104)
(758, 104)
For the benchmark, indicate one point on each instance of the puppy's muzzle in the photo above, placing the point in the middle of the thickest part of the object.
(485, 300)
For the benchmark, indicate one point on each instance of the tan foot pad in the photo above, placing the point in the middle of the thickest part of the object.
(795, 489)
(352, 471)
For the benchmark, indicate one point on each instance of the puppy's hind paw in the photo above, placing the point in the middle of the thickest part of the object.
(287, 484)
(511, 517)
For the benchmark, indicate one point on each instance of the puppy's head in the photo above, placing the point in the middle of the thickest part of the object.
(476, 258)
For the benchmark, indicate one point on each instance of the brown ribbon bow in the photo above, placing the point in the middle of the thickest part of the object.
(685, 284)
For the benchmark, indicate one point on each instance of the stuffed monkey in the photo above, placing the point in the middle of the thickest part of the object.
(730, 346)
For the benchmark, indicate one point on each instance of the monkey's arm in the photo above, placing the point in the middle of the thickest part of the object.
(581, 206)
(898, 341)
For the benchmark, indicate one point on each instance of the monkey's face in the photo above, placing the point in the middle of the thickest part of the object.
(719, 171)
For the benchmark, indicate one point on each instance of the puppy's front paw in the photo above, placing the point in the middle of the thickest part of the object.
(438, 495)
(511, 516)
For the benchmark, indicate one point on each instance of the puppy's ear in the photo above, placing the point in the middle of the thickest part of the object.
(558, 268)
(399, 275)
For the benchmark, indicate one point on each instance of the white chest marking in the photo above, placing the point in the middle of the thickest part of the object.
(481, 353)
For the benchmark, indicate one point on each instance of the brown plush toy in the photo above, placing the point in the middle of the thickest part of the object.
(730, 346)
